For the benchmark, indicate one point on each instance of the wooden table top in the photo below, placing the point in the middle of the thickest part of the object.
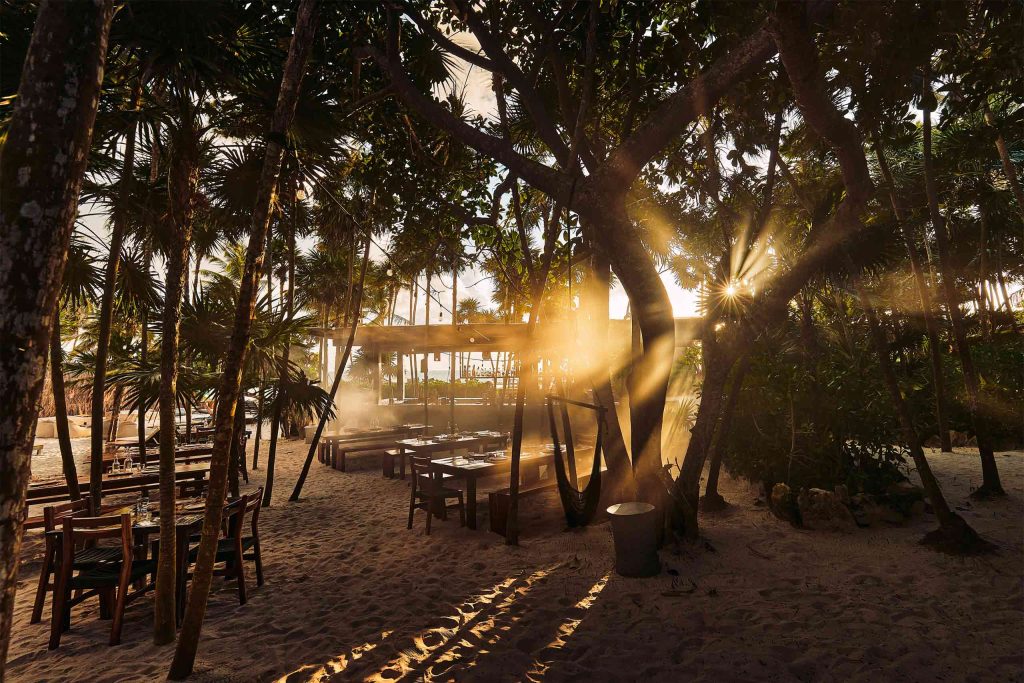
(460, 466)
(372, 432)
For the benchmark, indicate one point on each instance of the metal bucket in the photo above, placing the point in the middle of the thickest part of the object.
(635, 532)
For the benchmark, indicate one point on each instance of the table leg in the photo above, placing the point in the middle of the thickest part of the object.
(401, 462)
(471, 502)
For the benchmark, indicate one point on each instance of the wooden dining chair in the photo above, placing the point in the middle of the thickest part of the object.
(108, 580)
(429, 493)
(53, 517)
(236, 547)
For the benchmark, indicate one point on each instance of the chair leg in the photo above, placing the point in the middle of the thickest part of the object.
(258, 561)
(61, 612)
(430, 515)
(412, 509)
(105, 604)
(240, 577)
(462, 511)
(119, 603)
(44, 582)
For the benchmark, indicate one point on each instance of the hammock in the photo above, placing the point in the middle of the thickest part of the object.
(579, 506)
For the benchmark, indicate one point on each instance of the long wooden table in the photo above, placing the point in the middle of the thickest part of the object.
(469, 470)
(57, 490)
(468, 442)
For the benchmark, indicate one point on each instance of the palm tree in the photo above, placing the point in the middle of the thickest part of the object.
(295, 66)
(79, 286)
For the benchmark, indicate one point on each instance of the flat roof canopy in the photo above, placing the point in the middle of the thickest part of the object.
(491, 336)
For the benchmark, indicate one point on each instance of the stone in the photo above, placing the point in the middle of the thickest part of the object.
(783, 504)
(824, 511)
(843, 493)
(869, 511)
(903, 496)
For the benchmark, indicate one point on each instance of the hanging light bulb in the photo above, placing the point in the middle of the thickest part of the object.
(390, 272)
(300, 194)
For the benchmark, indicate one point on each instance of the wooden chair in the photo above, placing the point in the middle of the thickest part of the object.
(53, 517)
(429, 494)
(108, 580)
(235, 547)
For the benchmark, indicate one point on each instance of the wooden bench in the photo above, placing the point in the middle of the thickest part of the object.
(498, 502)
(342, 451)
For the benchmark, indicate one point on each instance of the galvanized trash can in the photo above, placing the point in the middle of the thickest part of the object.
(635, 532)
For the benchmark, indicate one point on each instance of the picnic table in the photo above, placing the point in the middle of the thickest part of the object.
(472, 469)
(446, 443)
(57, 489)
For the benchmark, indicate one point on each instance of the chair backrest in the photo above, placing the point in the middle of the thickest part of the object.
(253, 508)
(423, 478)
(54, 514)
(85, 531)
(233, 516)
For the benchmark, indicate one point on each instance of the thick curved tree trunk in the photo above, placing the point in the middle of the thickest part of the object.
(106, 314)
(183, 180)
(927, 306)
(295, 67)
(652, 310)
(619, 481)
(60, 407)
(991, 486)
(41, 166)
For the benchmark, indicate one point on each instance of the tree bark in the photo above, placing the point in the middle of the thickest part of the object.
(295, 66)
(106, 312)
(991, 486)
(60, 407)
(927, 306)
(182, 184)
(41, 166)
(143, 357)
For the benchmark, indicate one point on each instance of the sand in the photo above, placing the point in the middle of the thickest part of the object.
(351, 595)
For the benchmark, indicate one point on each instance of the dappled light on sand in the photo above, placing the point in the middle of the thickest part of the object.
(476, 628)
(314, 673)
(568, 628)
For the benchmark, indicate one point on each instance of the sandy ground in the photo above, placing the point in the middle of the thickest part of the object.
(352, 595)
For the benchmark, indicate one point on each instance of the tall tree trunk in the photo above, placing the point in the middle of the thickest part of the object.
(991, 485)
(41, 166)
(60, 407)
(337, 376)
(259, 426)
(927, 306)
(954, 535)
(143, 357)
(237, 460)
(295, 66)
(620, 482)
(182, 182)
(106, 312)
(528, 367)
(651, 308)
(712, 499)
(275, 423)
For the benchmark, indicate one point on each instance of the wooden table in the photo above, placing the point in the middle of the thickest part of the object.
(471, 470)
(469, 441)
(184, 526)
(57, 490)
